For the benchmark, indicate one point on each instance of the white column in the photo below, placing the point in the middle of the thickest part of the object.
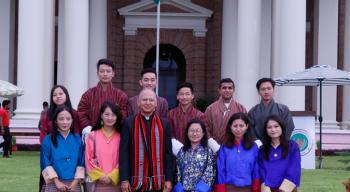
(265, 39)
(346, 94)
(249, 15)
(35, 58)
(5, 22)
(97, 37)
(76, 40)
(289, 28)
(326, 52)
(229, 39)
(60, 43)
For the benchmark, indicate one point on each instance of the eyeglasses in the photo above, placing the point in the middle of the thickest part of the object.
(193, 131)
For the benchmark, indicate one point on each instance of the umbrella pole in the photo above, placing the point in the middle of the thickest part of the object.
(320, 119)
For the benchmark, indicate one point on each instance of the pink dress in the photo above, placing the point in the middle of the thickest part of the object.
(107, 156)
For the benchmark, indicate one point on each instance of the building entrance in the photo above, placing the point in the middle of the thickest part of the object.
(172, 70)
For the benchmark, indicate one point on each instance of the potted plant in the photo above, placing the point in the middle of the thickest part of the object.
(318, 151)
(14, 144)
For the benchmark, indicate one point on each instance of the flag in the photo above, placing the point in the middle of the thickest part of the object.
(156, 1)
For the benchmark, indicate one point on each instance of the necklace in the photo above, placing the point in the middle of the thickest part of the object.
(108, 134)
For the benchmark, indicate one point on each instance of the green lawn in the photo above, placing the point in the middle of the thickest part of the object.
(21, 173)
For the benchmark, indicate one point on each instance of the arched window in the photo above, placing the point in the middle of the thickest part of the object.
(172, 70)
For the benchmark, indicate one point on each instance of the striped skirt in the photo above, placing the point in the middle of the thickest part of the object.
(51, 187)
(237, 189)
(106, 188)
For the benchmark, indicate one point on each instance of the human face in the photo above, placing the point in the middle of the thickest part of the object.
(274, 129)
(108, 118)
(64, 121)
(239, 128)
(185, 96)
(147, 102)
(226, 91)
(58, 96)
(105, 74)
(148, 81)
(266, 91)
(195, 133)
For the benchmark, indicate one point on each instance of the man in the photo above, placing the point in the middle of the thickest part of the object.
(148, 81)
(219, 112)
(45, 108)
(92, 99)
(266, 107)
(184, 112)
(146, 160)
(4, 127)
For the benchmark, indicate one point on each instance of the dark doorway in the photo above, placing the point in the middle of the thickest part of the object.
(172, 70)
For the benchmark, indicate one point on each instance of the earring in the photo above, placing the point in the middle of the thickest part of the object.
(101, 123)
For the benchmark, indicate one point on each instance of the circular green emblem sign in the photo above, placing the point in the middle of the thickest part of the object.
(302, 138)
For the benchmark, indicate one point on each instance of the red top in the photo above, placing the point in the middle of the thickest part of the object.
(178, 120)
(46, 124)
(92, 100)
(5, 117)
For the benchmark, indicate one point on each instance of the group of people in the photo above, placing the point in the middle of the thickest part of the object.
(112, 143)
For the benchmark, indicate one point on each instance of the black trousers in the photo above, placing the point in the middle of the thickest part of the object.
(7, 141)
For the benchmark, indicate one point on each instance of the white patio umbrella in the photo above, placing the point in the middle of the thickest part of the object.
(9, 90)
(318, 75)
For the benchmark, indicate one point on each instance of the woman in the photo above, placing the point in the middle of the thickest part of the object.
(195, 161)
(237, 161)
(279, 158)
(62, 154)
(58, 97)
(102, 150)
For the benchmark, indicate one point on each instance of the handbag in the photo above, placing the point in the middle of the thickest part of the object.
(90, 186)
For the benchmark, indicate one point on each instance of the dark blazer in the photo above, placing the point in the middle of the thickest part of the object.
(125, 151)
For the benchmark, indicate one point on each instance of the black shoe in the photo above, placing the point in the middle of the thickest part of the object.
(6, 156)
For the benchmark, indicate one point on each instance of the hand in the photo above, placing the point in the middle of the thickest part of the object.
(167, 186)
(60, 186)
(72, 186)
(105, 180)
(125, 186)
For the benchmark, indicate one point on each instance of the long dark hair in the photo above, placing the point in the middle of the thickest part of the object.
(230, 137)
(54, 130)
(115, 109)
(204, 140)
(267, 139)
(53, 105)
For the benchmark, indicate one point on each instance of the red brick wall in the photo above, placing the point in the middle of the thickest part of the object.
(202, 54)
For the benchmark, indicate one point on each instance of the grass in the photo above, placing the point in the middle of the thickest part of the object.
(328, 179)
(21, 173)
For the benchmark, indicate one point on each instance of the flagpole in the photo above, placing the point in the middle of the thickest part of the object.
(157, 45)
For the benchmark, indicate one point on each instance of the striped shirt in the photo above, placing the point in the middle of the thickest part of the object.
(178, 120)
(161, 109)
(218, 115)
(92, 100)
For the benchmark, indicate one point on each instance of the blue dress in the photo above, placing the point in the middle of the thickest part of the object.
(237, 166)
(195, 169)
(64, 159)
(274, 171)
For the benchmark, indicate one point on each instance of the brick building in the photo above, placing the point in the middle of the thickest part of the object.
(47, 42)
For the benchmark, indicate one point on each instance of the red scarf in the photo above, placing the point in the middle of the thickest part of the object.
(144, 160)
